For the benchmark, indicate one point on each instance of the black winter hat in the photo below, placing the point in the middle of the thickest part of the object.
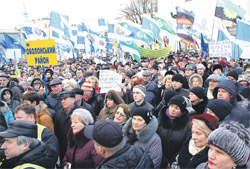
(234, 74)
(178, 77)
(199, 92)
(155, 66)
(179, 101)
(221, 108)
(144, 113)
(168, 95)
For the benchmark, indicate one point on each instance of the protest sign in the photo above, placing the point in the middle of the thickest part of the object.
(109, 80)
(41, 52)
(220, 49)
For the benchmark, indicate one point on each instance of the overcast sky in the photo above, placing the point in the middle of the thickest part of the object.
(11, 11)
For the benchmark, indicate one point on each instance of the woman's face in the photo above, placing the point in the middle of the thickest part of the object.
(174, 110)
(138, 123)
(110, 103)
(196, 82)
(168, 83)
(199, 137)
(120, 116)
(76, 124)
(192, 97)
(92, 81)
(244, 83)
(219, 159)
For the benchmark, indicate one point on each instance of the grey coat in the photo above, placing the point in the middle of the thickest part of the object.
(147, 139)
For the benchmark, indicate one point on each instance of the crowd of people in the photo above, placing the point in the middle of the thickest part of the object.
(183, 111)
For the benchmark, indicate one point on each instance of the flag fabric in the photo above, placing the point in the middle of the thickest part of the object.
(34, 33)
(184, 17)
(130, 46)
(204, 44)
(3, 43)
(154, 53)
(101, 22)
(60, 29)
(17, 71)
(3, 59)
(227, 10)
(242, 31)
(185, 33)
(9, 40)
(150, 24)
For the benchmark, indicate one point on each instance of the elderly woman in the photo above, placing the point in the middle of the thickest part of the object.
(195, 80)
(112, 99)
(198, 99)
(70, 84)
(80, 152)
(173, 128)
(167, 81)
(122, 114)
(140, 130)
(229, 147)
(194, 150)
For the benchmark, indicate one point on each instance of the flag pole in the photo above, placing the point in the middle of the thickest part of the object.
(44, 78)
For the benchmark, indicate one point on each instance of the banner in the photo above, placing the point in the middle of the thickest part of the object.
(220, 49)
(154, 53)
(41, 52)
(109, 80)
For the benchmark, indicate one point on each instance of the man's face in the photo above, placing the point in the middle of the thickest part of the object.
(200, 71)
(223, 94)
(146, 78)
(79, 74)
(68, 103)
(231, 78)
(212, 84)
(78, 97)
(189, 72)
(137, 96)
(12, 149)
(22, 116)
(56, 89)
(176, 85)
(135, 70)
(153, 71)
(4, 81)
(217, 71)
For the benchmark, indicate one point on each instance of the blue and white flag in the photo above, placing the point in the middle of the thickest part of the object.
(101, 22)
(150, 24)
(34, 33)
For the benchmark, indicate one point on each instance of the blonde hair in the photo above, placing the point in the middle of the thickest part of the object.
(168, 77)
(201, 125)
(95, 79)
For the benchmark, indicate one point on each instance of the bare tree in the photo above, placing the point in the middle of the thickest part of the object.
(134, 9)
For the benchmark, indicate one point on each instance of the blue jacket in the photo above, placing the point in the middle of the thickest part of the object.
(238, 113)
(8, 115)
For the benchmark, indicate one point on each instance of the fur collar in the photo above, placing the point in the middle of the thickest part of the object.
(146, 133)
(78, 139)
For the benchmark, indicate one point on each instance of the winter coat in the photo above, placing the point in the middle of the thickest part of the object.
(96, 101)
(55, 101)
(3, 122)
(151, 89)
(200, 107)
(81, 152)
(39, 155)
(15, 90)
(187, 160)
(128, 157)
(110, 112)
(238, 113)
(62, 125)
(144, 104)
(13, 103)
(173, 134)
(89, 108)
(155, 78)
(190, 82)
(7, 113)
(43, 117)
(147, 139)
(182, 92)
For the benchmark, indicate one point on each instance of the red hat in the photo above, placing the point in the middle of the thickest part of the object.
(211, 121)
(222, 63)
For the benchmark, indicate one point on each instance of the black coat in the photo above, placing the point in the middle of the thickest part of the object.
(172, 134)
(89, 108)
(62, 125)
(96, 101)
(55, 101)
(40, 155)
(128, 157)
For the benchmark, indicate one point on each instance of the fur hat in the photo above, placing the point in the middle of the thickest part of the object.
(234, 139)
(211, 121)
(178, 77)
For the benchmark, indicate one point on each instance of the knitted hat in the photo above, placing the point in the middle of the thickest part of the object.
(199, 92)
(144, 113)
(189, 67)
(179, 101)
(214, 77)
(233, 74)
(87, 86)
(84, 115)
(220, 107)
(211, 121)
(168, 95)
(234, 139)
(244, 78)
(178, 77)
(200, 66)
(141, 89)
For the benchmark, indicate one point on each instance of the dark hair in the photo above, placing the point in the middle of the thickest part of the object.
(31, 96)
(27, 108)
(111, 96)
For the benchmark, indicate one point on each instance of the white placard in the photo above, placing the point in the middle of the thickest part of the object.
(10, 54)
(109, 80)
(220, 49)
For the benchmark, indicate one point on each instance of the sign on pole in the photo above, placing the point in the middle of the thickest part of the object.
(109, 80)
(41, 52)
(220, 49)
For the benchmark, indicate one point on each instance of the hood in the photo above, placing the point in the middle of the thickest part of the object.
(4, 89)
(195, 76)
(36, 79)
(5, 108)
(146, 133)
(116, 95)
(229, 86)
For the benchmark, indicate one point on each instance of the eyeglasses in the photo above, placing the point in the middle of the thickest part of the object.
(120, 114)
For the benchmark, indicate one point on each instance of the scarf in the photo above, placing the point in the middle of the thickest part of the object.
(193, 149)
(169, 116)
